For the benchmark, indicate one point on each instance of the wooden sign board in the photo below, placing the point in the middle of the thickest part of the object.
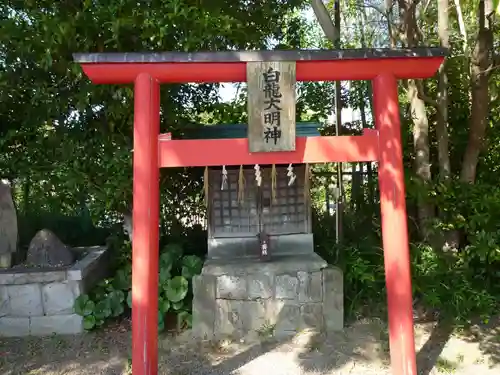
(271, 106)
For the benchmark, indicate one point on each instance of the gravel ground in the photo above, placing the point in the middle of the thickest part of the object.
(361, 349)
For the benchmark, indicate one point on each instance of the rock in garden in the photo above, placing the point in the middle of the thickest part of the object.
(8, 225)
(46, 250)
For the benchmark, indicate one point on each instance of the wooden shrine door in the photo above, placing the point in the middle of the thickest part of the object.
(250, 210)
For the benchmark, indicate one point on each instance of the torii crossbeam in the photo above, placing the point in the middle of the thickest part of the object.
(153, 150)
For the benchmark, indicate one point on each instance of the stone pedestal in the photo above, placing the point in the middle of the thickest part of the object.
(241, 297)
(39, 302)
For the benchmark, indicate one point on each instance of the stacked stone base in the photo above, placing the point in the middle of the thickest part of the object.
(280, 298)
(40, 302)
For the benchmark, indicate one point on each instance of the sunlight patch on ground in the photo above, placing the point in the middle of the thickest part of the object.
(277, 363)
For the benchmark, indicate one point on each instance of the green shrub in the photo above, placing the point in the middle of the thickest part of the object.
(461, 284)
(112, 297)
(451, 286)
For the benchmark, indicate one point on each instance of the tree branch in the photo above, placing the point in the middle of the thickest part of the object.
(325, 20)
(422, 95)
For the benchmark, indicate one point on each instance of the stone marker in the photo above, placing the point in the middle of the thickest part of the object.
(8, 226)
(46, 250)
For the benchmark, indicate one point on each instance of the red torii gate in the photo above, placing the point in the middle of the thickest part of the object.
(153, 150)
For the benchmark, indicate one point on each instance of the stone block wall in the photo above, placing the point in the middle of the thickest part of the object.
(40, 302)
(277, 299)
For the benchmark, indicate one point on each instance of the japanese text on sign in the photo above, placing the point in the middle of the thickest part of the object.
(271, 105)
(272, 101)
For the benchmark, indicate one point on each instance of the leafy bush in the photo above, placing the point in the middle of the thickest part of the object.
(450, 286)
(461, 284)
(359, 256)
(112, 297)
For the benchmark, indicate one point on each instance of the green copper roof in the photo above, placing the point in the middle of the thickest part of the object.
(304, 129)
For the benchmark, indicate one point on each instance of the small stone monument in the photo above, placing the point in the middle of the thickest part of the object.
(8, 225)
(47, 250)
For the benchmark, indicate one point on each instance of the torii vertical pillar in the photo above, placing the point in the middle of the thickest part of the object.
(145, 219)
(394, 225)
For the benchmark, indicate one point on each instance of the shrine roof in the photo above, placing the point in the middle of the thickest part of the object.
(262, 55)
(225, 131)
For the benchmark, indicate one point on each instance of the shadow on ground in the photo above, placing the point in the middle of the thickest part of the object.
(447, 347)
(487, 335)
(360, 349)
(108, 353)
(306, 353)
(100, 353)
(430, 352)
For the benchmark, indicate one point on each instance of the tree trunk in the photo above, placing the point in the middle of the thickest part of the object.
(332, 32)
(461, 26)
(480, 64)
(442, 118)
(362, 104)
(338, 126)
(389, 12)
(448, 240)
(422, 153)
(411, 37)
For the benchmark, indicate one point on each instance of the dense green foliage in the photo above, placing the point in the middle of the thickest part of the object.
(112, 297)
(65, 144)
(458, 285)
